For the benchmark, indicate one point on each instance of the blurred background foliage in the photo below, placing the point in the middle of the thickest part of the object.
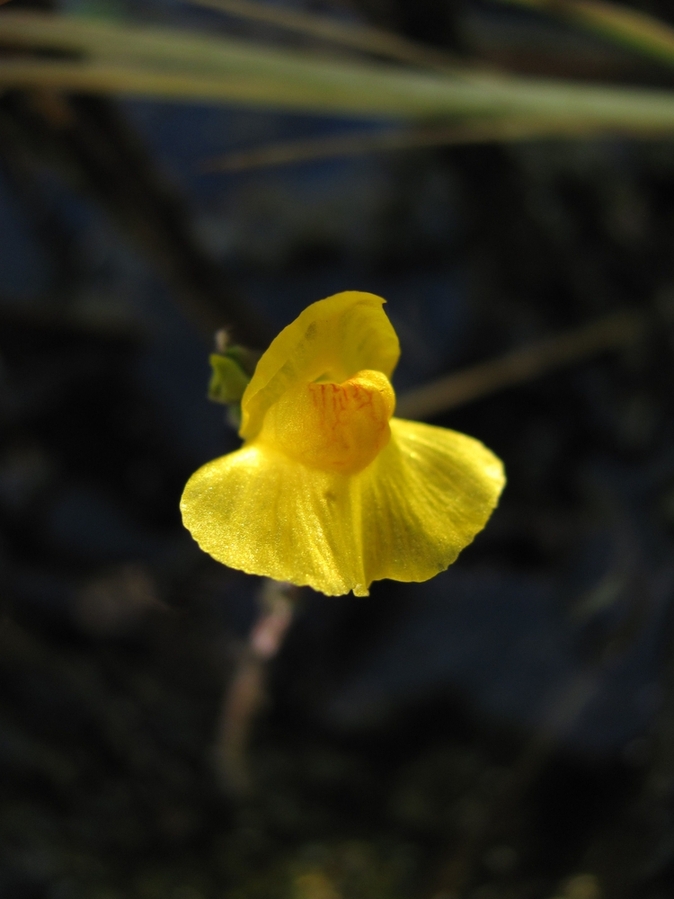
(502, 172)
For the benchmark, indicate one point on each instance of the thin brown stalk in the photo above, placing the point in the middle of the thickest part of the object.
(361, 143)
(246, 694)
(518, 366)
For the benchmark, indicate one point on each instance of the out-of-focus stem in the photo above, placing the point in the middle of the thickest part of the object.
(627, 27)
(245, 694)
(355, 35)
(493, 130)
(519, 366)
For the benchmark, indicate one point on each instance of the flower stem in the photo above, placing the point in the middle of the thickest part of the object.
(245, 695)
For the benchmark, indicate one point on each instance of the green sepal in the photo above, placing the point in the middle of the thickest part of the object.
(228, 381)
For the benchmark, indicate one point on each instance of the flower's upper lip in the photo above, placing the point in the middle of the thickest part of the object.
(332, 339)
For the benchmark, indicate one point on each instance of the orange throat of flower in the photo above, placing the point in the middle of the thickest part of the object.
(334, 427)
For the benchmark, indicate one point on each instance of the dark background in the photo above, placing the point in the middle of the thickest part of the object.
(504, 730)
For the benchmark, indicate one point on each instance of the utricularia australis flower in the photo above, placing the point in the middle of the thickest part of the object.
(329, 490)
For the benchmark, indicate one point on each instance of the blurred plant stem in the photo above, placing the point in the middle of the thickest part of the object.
(88, 142)
(614, 332)
(637, 848)
(245, 694)
(363, 142)
(97, 57)
(627, 27)
(354, 35)
(503, 822)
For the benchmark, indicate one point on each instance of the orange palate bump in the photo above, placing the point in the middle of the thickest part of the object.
(335, 427)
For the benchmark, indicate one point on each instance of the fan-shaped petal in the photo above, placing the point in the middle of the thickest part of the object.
(406, 516)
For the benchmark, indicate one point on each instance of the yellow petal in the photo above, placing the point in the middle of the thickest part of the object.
(424, 499)
(265, 513)
(331, 340)
(405, 516)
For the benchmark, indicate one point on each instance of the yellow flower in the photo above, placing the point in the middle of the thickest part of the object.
(328, 490)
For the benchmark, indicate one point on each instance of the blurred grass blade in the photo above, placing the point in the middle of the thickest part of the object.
(361, 93)
(355, 35)
(138, 81)
(171, 64)
(150, 46)
(362, 142)
(630, 28)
